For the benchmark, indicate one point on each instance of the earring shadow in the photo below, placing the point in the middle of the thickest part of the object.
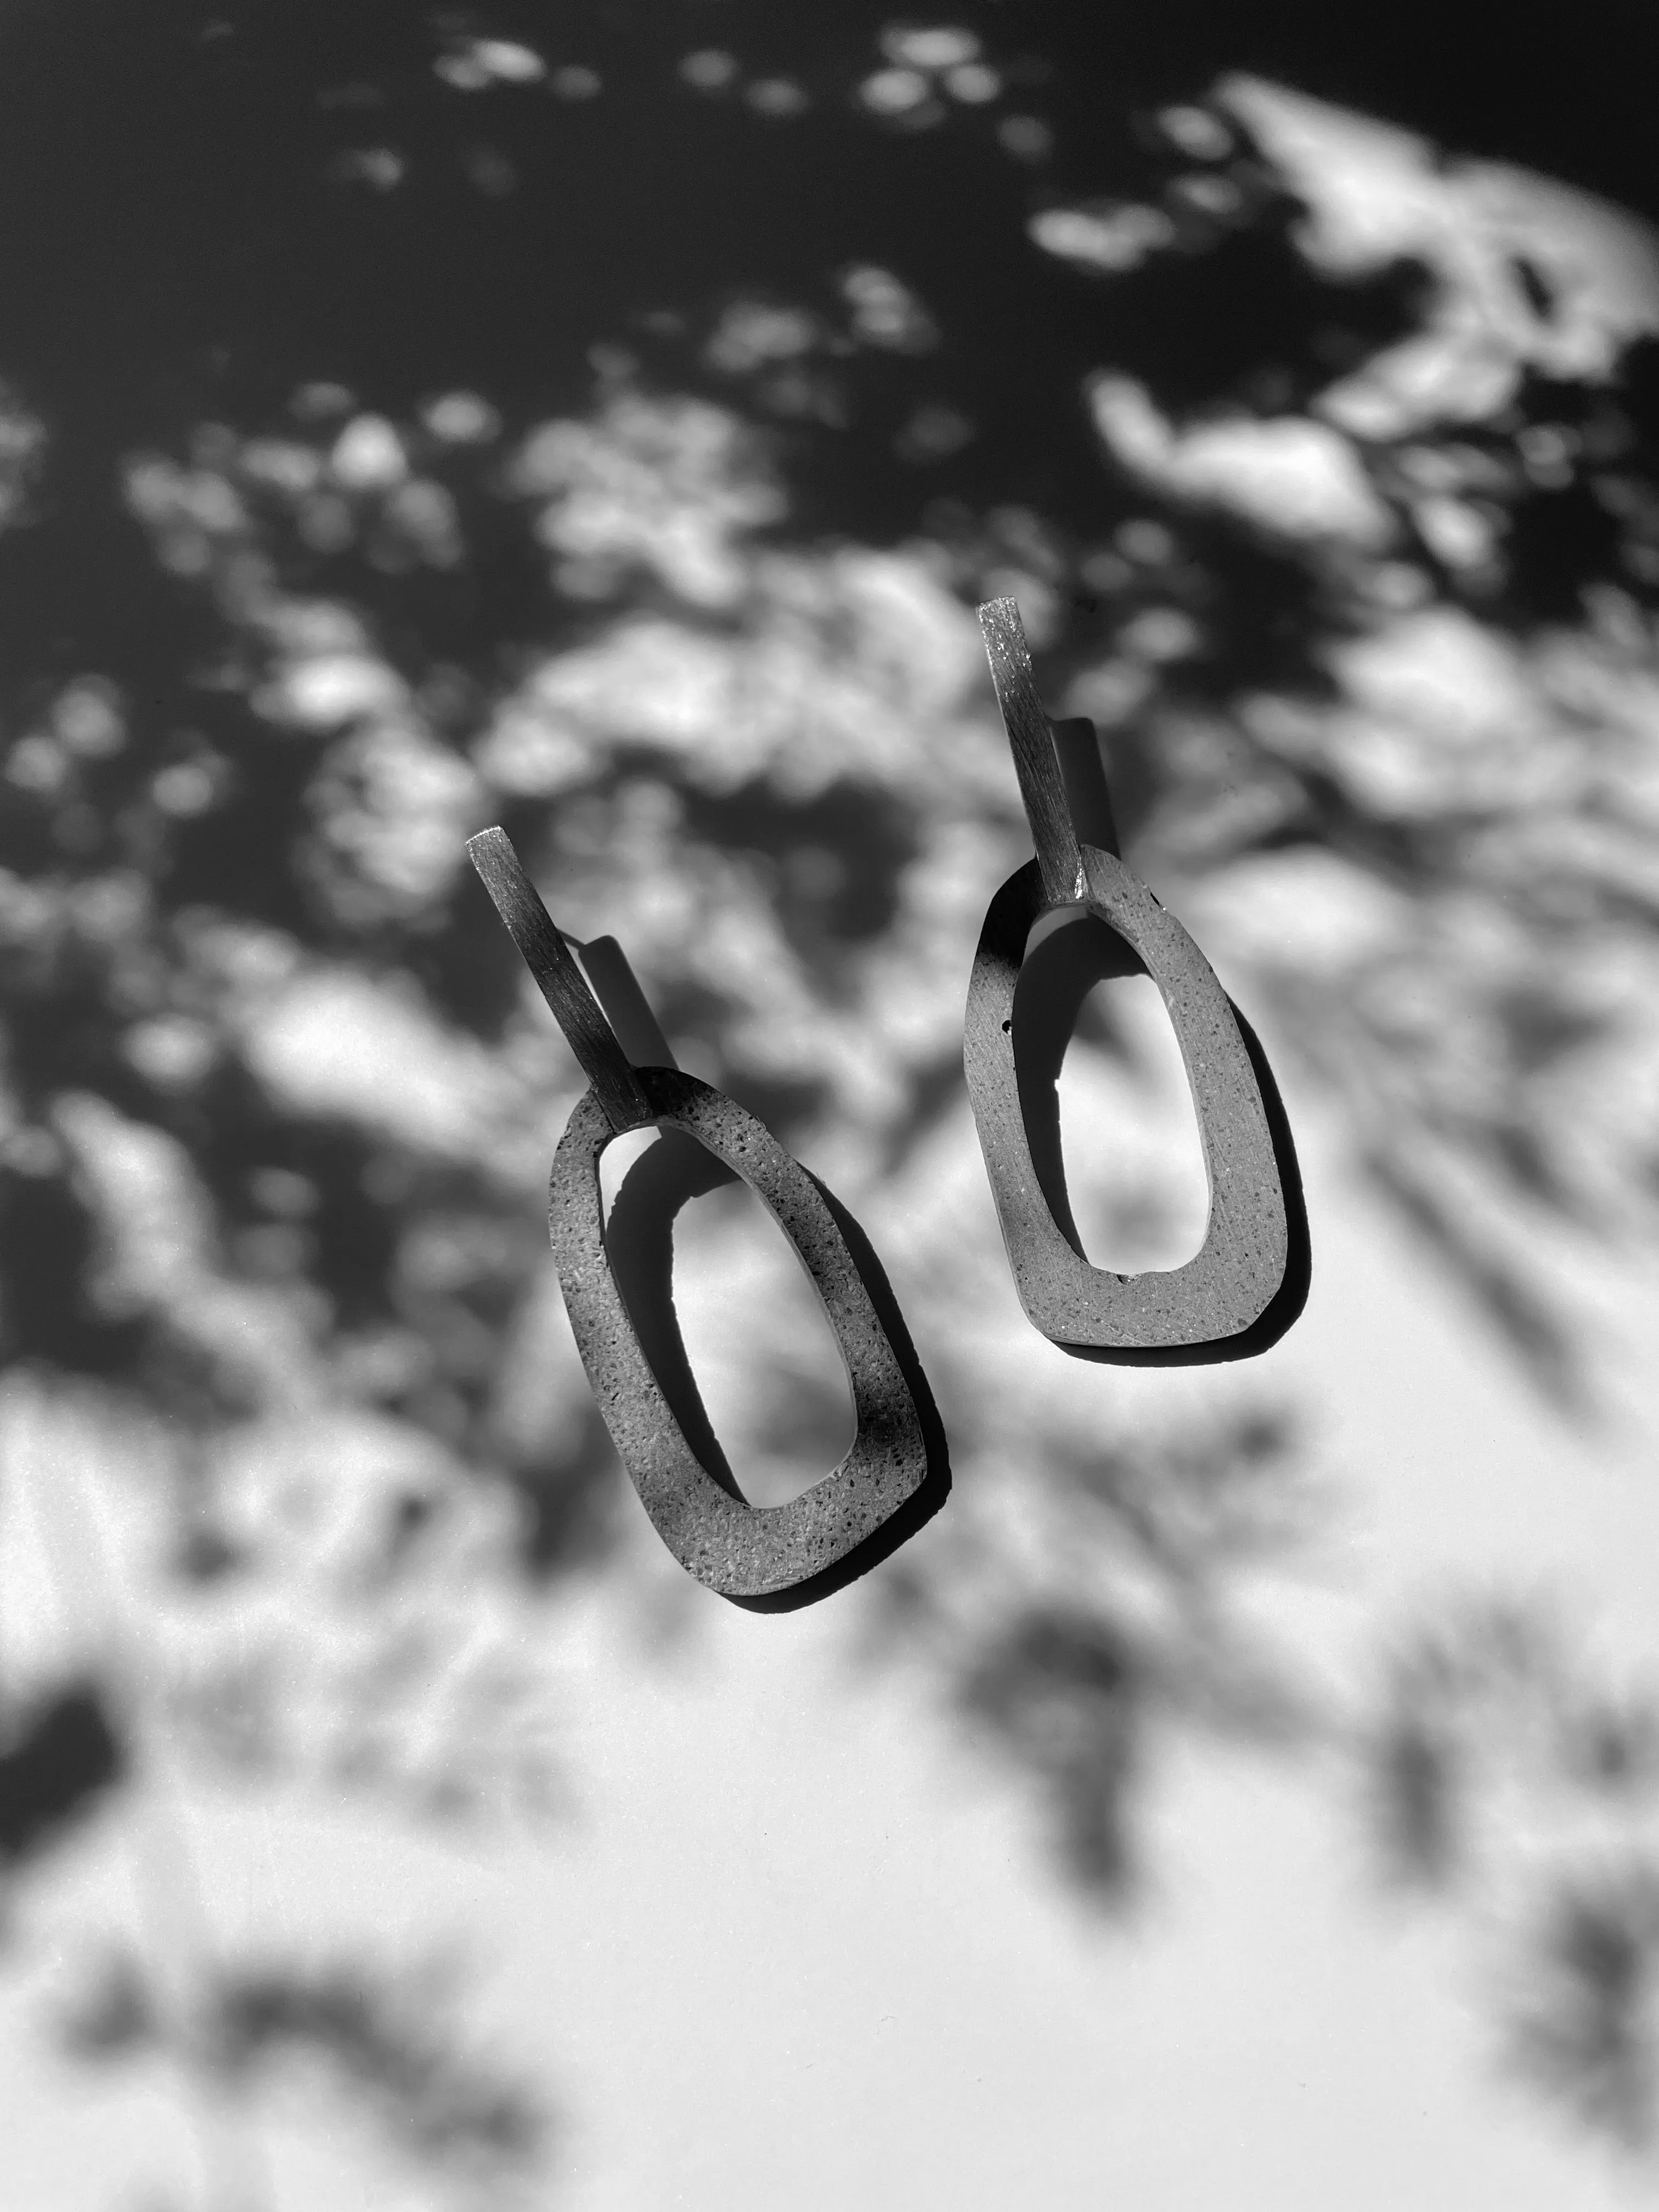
(1057, 975)
(935, 1487)
(639, 1242)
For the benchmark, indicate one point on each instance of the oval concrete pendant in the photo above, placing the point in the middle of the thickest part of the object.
(897, 1473)
(1241, 1269)
(741, 1550)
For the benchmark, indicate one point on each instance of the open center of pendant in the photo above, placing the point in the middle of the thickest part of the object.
(1108, 1110)
(727, 1316)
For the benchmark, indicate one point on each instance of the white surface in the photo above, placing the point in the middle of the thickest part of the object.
(799, 1945)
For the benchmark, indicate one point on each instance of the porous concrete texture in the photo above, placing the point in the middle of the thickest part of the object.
(1236, 1274)
(744, 1551)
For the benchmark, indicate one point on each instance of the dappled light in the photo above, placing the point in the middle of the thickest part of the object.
(412, 420)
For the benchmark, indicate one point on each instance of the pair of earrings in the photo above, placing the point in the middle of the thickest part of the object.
(1241, 1290)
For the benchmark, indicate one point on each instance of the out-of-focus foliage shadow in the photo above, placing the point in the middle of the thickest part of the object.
(411, 418)
(58, 1761)
(386, 2039)
(1508, 1766)
(1087, 1627)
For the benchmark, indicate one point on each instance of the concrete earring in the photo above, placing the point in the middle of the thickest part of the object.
(1249, 1280)
(896, 1474)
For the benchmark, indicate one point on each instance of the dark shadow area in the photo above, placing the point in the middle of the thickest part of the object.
(1063, 1659)
(56, 1763)
(834, 859)
(568, 1495)
(626, 1008)
(48, 1237)
(1081, 1692)
(1083, 772)
(1056, 979)
(384, 2034)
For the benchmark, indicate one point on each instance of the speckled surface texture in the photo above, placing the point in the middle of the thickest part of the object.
(1238, 1271)
(741, 1550)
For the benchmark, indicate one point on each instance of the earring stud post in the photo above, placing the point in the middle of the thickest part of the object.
(1036, 763)
(560, 981)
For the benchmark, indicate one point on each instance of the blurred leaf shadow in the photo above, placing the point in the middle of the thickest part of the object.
(278, 340)
(386, 2039)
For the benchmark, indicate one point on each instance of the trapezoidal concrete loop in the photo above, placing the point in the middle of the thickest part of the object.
(746, 1552)
(1237, 1273)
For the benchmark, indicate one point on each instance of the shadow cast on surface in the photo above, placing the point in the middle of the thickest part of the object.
(639, 1241)
(934, 1488)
